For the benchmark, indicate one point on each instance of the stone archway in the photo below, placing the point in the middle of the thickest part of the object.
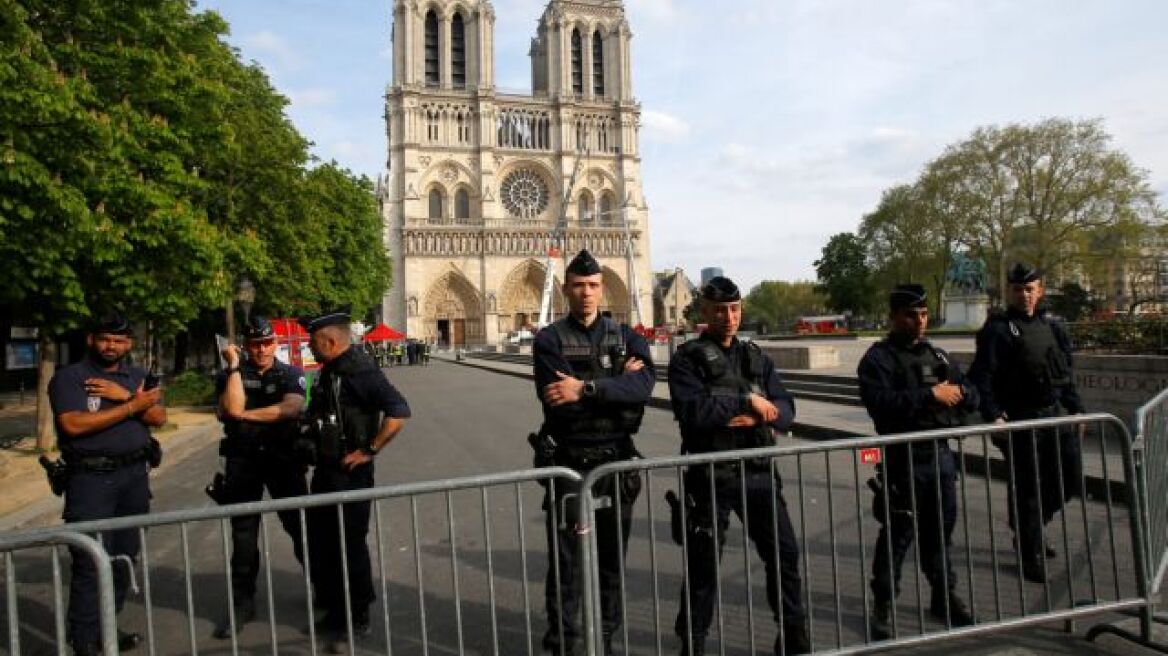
(452, 313)
(522, 292)
(616, 297)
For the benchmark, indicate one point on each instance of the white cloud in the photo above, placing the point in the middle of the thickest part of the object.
(270, 47)
(314, 97)
(661, 126)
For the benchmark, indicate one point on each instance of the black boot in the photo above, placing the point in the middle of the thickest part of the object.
(880, 621)
(794, 639)
(1033, 569)
(958, 614)
(551, 644)
(699, 646)
(244, 613)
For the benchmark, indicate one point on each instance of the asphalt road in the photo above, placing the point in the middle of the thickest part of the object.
(463, 572)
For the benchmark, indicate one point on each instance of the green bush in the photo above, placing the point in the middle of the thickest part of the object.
(190, 388)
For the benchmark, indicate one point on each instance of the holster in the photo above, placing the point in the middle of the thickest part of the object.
(155, 455)
(57, 473)
(544, 448)
(676, 522)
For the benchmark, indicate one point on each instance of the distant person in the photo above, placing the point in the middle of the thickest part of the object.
(104, 409)
(593, 379)
(908, 384)
(727, 395)
(1023, 369)
(260, 399)
(356, 412)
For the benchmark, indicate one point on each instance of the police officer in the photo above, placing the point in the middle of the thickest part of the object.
(103, 413)
(260, 400)
(1023, 371)
(356, 412)
(593, 378)
(908, 384)
(727, 395)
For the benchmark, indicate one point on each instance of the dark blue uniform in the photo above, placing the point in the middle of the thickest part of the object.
(1023, 369)
(896, 380)
(595, 430)
(108, 477)
(352, 393)
(259, 456)
(704, 401)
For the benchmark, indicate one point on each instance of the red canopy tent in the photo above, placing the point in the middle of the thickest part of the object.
(383, 333)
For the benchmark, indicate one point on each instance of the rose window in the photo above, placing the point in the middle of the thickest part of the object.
(524, 193)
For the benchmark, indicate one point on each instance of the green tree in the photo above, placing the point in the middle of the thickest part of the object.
(778, 304)
(844, 275)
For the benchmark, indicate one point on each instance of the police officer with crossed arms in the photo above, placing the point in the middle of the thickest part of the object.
(260, 400)
(104, 413)
(727, 395)
(593, 378)
(908, 384)
(1023, 370)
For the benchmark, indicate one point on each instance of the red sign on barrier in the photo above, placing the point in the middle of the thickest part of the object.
(870, 456)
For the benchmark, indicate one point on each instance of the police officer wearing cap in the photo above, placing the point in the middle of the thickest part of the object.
(260, 399)
(355, 412)
(1023, 370)
(593, 378)
(908, 384)
(104, 412)
(727, 395)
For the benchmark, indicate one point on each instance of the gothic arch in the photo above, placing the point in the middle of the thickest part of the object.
(453, 311)
(522, 293)
(616, 296)
(433, 173)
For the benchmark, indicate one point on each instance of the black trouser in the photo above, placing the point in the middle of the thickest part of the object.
(1046, 466)
(612, 526)
(101, 495)
(324, 542)
(247, 477)
(766, 518)
(930, 478)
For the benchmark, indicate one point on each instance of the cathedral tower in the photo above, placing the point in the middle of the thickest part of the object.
(478, 178)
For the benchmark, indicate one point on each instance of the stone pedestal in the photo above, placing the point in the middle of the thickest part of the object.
(965, 310)
(802, 357)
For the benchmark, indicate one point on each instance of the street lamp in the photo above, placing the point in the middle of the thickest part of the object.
(245, 295)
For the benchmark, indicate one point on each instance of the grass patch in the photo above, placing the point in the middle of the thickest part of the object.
(190, 388)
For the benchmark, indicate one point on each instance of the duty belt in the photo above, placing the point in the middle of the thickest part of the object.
(105, 464)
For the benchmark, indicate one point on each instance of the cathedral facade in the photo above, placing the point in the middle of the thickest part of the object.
(480, 181)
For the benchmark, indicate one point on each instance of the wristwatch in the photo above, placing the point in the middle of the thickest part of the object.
(590, 389)
(369, 451)
(232, 370)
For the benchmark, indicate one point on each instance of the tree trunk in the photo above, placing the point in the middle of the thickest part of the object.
(181, 345)
(46, 433)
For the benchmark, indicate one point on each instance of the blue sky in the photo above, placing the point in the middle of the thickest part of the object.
(769, 125)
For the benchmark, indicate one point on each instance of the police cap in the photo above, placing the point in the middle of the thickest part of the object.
(337, 317)
(1022, 273)
(258, 329)
(907, 295)
(721, 289)
(584, 264)
(113, 324)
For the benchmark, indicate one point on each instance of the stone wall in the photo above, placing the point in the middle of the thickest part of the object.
(1116, 384)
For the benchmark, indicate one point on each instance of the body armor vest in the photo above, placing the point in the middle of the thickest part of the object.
(345, 425)
(720, 379)
(592, 362)
(260, 391)
(924, 368)
(1039, 366)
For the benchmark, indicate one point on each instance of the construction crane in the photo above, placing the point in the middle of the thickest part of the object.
(555, 248)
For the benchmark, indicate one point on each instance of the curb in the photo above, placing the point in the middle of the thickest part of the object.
(182, 443)
(992, 466)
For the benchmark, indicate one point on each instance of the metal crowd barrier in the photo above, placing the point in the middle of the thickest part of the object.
(10, 543)
(1099, 566)
(445, 582)
(1150, 450)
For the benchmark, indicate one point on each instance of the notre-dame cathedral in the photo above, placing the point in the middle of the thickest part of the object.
(478, 178)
